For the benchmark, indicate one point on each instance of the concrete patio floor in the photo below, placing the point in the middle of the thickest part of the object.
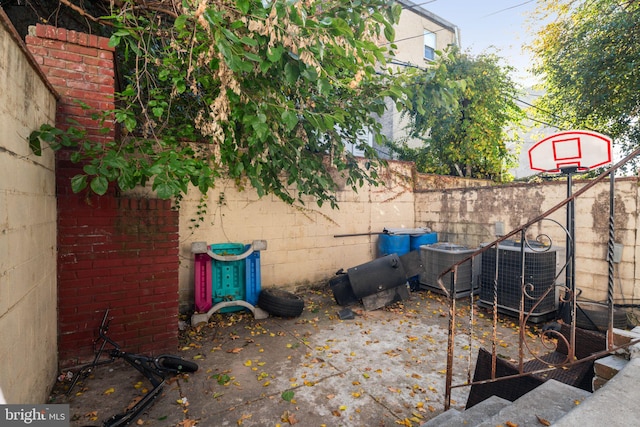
(383, 368)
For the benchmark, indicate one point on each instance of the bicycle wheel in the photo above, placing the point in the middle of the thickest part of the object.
(177, 364)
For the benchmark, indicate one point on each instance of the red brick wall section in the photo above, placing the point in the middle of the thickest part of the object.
(113, 252)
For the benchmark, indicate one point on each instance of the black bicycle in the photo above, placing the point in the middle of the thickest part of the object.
(155, 369)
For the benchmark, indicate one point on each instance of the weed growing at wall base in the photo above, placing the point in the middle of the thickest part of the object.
(34, 415)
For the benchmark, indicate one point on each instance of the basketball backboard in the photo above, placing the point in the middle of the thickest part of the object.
(578, 149)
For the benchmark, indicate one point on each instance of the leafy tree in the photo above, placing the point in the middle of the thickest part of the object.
(461, 116)
(588, 54)
(267, 92)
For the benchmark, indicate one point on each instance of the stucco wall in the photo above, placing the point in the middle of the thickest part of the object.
(28, 342)
(302, 249)
(468, 216)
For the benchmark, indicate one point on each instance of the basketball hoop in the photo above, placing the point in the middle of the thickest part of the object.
(575, 151)
(570, 152)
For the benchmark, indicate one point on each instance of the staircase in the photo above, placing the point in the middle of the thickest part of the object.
(543, 405)
(558, 404)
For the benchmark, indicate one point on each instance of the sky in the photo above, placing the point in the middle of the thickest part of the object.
(494, 26)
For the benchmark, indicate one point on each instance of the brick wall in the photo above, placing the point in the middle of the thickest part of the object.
(113, 252)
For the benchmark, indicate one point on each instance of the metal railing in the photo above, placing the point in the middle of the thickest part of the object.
(528, 303)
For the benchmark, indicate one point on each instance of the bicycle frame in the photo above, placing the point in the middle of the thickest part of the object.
(150, 367)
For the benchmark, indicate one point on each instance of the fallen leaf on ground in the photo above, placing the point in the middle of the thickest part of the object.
(187, 423)
(235, 350)
(288, 417)
(109, 391)
(543, 421)
(242, 418)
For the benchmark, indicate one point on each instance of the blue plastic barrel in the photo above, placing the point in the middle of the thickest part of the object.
(393, 244)
(418, 240)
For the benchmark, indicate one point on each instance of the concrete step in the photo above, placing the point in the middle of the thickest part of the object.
(444, 419)
(546, 403)
(483, 410)
(615, 404)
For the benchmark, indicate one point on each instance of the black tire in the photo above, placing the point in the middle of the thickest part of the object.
(177, 364)
(280, 303)
(594, 316)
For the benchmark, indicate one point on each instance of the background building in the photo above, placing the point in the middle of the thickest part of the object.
(419, 34)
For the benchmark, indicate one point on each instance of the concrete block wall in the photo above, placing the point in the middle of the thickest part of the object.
(468, 216)
(114, 252)
(28, 335)
(302, 250)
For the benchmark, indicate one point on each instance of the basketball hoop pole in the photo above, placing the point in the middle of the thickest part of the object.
(570, 274)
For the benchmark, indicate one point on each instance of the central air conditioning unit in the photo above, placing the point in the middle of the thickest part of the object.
(439, 257)
(541, 266)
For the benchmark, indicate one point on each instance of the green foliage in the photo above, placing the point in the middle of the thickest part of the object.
(589, 56)
(267, 93)
(461, 114)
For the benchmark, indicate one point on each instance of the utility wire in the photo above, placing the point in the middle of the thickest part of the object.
(418, 36)
(545, 123)
(416, 5)
(507, 8)
(443, 29)
(409, 65)
(548, 113)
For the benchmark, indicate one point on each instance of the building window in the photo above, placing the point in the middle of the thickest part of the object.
(429, 45)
